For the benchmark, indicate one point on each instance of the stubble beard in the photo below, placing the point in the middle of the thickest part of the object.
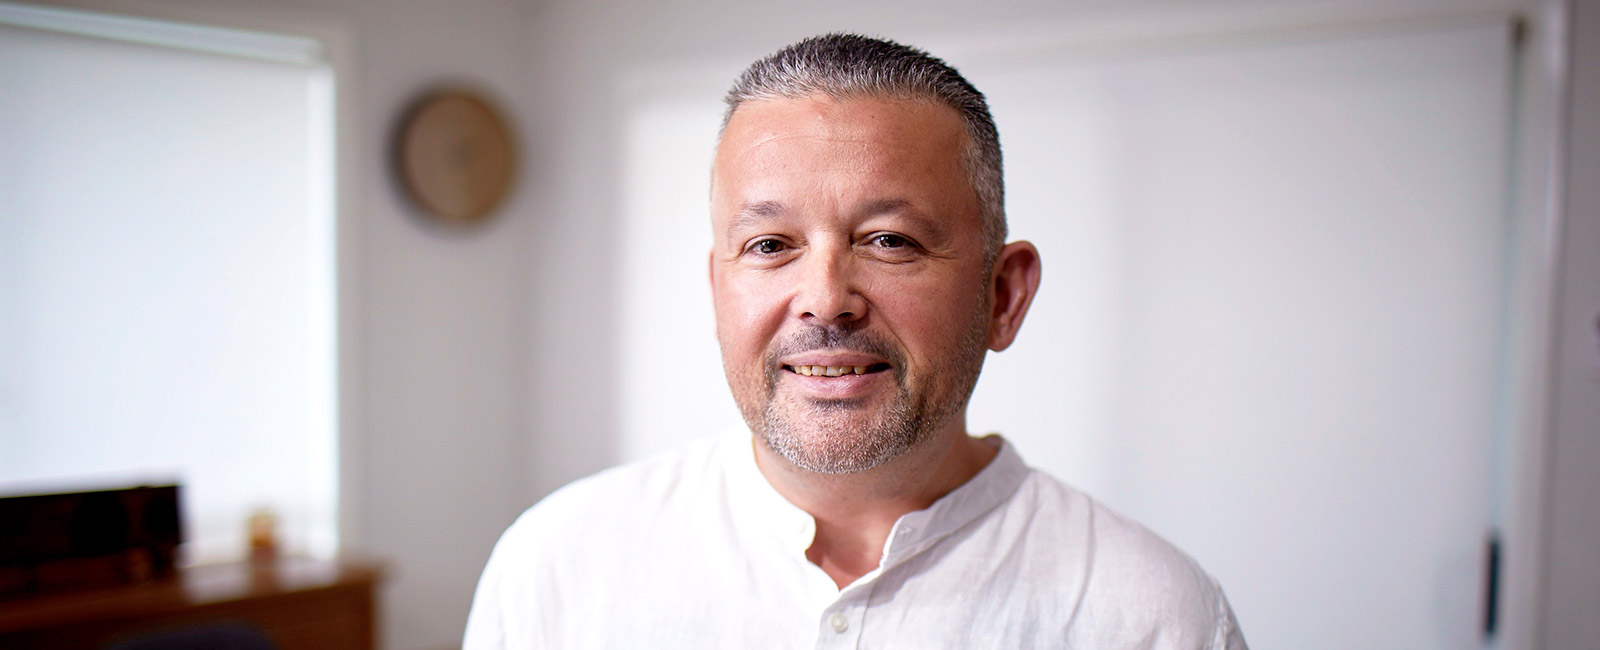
(847, 436)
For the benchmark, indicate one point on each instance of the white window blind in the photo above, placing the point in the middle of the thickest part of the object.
(166, 270)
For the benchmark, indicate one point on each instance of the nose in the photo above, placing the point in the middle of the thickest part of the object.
(828, 293)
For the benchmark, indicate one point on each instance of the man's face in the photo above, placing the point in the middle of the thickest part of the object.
(848, 276)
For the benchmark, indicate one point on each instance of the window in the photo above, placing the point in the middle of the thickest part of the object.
(166, 269)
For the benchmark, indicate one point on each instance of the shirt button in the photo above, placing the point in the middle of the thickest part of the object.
(839, 622)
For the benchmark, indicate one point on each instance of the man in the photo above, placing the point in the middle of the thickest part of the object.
(859, 276)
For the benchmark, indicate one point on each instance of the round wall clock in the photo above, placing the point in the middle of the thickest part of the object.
(455, 156)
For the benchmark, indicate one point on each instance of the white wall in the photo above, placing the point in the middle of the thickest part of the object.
(1573, 562)
(440, 440)
(442, 325)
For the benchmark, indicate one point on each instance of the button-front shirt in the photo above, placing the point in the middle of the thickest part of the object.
(695, 549)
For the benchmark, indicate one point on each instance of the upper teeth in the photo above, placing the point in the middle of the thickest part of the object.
(829, 371)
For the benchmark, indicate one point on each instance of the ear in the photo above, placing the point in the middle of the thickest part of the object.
(1016, 280)
(711, 271)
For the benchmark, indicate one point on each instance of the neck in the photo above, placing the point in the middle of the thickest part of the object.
(856, 512)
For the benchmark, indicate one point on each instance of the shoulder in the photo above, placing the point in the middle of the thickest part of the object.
(556, 561)
(618, 497)
(1137, 586)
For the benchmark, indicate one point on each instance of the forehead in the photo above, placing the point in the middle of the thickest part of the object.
(880, 118)
(842, 147)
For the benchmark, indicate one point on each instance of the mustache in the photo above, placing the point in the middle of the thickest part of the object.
(817, 337)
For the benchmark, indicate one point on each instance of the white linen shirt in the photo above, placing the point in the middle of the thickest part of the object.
(694, 549)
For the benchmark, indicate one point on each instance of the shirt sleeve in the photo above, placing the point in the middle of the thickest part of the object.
(485, 621)
(1228, 636)
(504, 614)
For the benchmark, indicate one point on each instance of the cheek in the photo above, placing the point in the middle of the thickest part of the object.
(747, 314)
(934, 317)
(920, 323)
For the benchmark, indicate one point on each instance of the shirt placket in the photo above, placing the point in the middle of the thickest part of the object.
(840, 624)
(843, 620)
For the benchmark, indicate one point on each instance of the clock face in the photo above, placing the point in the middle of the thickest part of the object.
(456, 157)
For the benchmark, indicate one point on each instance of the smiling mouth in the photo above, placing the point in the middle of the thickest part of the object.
(836, 371)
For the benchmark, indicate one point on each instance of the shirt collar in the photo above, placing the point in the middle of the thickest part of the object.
(758, 508)
(992, 485)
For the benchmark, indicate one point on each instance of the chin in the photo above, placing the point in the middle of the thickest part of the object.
(825, 440)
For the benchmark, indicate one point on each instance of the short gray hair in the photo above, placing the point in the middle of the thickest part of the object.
(849, 65)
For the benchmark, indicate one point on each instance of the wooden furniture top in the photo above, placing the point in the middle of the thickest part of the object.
(187, 589)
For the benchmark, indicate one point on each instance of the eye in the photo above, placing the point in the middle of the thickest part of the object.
(767, 246)
(890, 240)
(891, 247)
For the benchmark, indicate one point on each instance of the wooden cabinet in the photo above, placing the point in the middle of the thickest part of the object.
(298, 603)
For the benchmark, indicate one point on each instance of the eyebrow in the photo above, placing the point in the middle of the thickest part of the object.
(904, 209)
(754, 214)
(881, 206)
(758, 211)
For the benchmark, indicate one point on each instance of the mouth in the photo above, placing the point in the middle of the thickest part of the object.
(836, 371)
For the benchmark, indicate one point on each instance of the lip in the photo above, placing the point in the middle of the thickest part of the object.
(843, 387)
(822, 358)
(849, 386)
